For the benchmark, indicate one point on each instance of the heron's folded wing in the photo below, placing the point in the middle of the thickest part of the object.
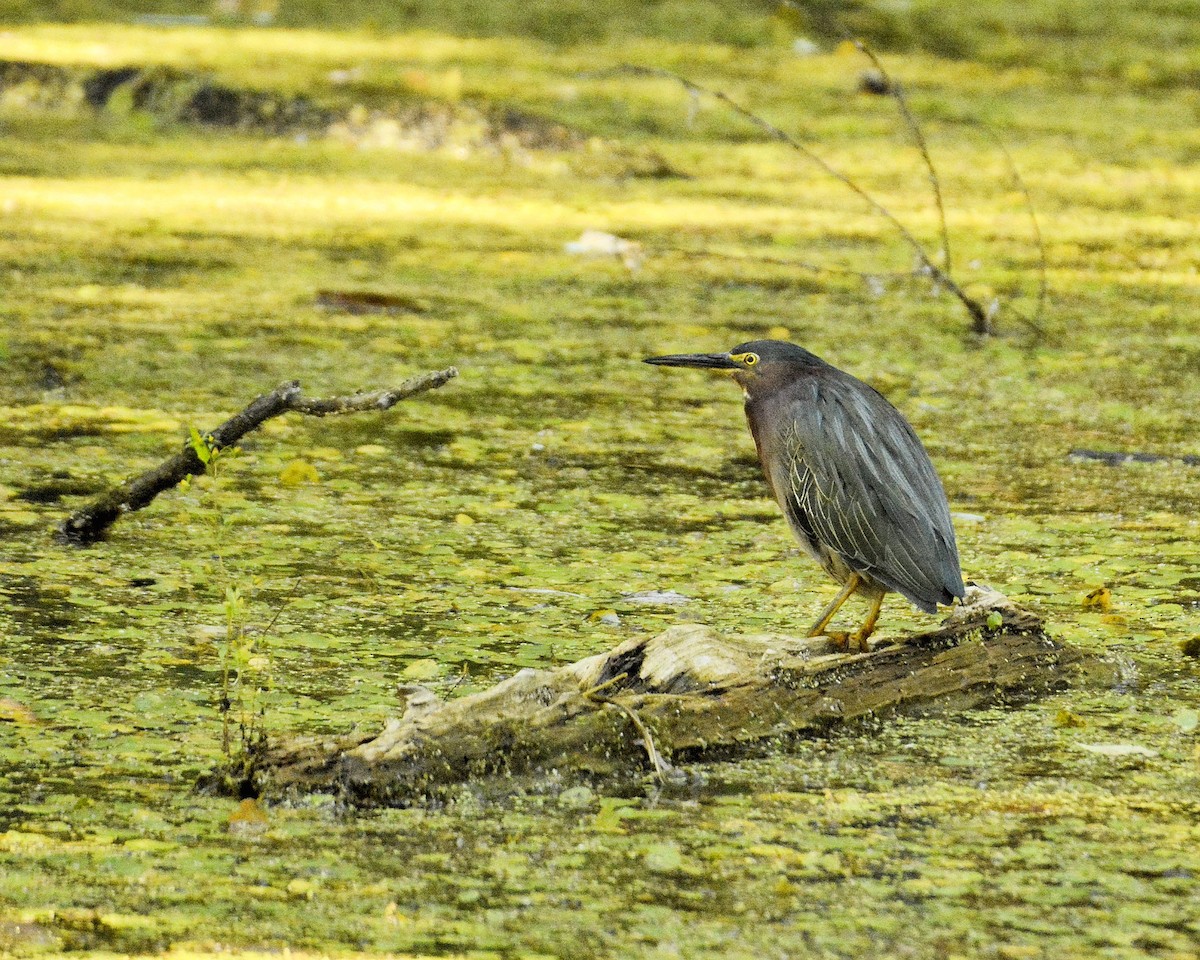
(859, 479)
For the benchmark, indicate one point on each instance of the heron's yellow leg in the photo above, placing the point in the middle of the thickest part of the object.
(858, 639)
(852, 583)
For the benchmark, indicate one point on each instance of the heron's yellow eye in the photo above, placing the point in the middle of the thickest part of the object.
(748, 359)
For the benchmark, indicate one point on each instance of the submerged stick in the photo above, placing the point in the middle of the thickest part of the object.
(89, 523)
(687, 694)
(1115, 458)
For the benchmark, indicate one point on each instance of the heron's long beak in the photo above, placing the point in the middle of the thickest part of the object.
(708, 361)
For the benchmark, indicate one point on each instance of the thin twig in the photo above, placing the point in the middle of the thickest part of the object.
(981, 321)
(367, 402)
(89, 523)
(1043, 280)
(663, 770)
(797, 264)
(283, 606)
(897, 93)
(591, 692)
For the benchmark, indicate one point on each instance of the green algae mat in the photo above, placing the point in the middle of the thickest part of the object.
(250, 206)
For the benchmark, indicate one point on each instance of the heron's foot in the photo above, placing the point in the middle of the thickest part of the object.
(859, 641)
(851, 641)
(847, 640)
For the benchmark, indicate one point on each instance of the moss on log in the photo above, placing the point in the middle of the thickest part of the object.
(688, 694)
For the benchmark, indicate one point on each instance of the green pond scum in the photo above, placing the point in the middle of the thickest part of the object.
(166, 257)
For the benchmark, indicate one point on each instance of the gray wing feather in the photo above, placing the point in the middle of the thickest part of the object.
(857, 478)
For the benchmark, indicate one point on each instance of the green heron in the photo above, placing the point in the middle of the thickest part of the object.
(856, 486)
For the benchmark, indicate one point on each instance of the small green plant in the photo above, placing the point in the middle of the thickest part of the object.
(247, 677)
(206, 450)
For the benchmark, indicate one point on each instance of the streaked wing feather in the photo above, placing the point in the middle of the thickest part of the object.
(866, 488)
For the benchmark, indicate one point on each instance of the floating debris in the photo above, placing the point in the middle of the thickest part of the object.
(597, 243)
(657, 597)
(13, 711)
(1118, 749)
(368, 301)
(546, 592)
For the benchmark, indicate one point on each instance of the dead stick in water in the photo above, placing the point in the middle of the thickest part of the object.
(981, 321)
(88, 524)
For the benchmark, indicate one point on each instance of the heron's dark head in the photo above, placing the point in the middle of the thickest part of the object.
(758, 365)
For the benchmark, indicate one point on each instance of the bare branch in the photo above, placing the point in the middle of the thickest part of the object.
(89, 523)
(379, 400)
(1043, 281)
(981, 321)
(894, 89)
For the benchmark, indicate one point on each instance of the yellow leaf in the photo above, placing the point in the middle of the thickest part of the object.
(298, 472)
(1099, 599)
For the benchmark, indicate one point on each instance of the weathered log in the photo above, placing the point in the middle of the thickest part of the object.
(695, 694)
(90, 522)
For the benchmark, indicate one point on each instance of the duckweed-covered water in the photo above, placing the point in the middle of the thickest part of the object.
(158, 276)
